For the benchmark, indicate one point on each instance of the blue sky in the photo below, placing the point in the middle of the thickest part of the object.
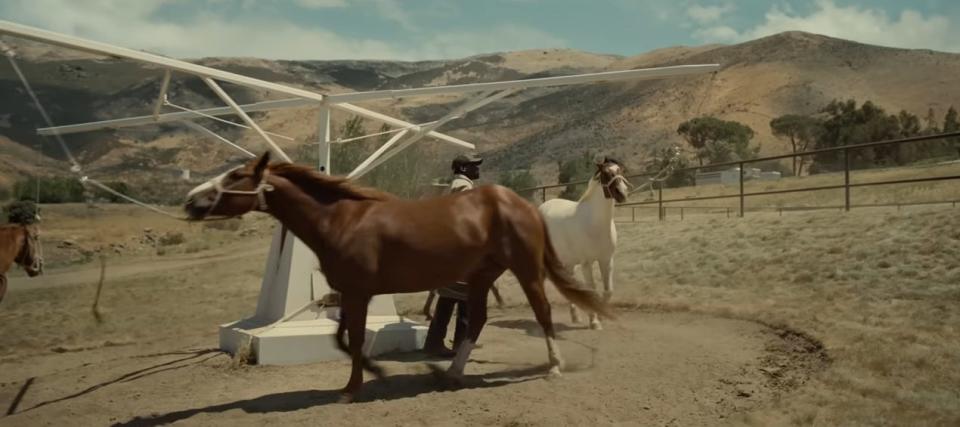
(433, 29)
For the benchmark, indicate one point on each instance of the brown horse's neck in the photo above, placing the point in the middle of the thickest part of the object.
(306, 202)
(12, 239)
(306, 217)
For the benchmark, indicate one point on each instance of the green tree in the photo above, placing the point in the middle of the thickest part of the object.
(931, 122)
(718, 140)
(661, 159)
(801, 131)
(576, 169)
(847, 124)
(51, 190)
(120, 187)
(519, 180)
(951, 124)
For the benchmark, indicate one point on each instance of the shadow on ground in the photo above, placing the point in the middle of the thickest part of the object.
(388, 388)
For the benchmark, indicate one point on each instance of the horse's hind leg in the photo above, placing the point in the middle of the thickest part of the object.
(532, 284)
(587, 270)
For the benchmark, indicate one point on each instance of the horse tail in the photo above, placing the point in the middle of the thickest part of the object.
(568, 286)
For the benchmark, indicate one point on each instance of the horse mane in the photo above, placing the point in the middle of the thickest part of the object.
(592, 186)
(326, 188)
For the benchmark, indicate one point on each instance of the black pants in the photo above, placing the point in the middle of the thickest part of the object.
(441, 318)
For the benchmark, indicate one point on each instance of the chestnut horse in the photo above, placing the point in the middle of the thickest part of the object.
(19, 244)
(369, 243)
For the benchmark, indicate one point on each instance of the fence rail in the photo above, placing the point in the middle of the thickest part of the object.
(682, 211)
(742, 195)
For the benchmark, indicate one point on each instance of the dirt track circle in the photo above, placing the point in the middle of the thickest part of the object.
(645, 368)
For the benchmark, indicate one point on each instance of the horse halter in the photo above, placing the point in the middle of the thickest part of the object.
(32, 249)
(607, 192)
(259, 191)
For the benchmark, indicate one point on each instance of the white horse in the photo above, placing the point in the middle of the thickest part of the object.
(583, 232)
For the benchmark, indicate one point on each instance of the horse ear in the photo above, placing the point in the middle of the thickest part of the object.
(261, 165)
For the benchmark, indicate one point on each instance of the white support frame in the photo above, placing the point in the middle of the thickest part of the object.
(379, 157)
(243, 115)
(162, 97)
(200, 128)
(290, 264)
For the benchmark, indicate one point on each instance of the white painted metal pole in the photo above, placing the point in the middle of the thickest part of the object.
(27, 32)
(243, 115)
(323, 143)
(399, 123)
(376, 154)
(420, 133)
(250, 108)
(608, 76)
(209, 132)
(162, 97)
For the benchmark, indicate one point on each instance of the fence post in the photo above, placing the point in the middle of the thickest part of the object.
(633, 214)
(846, 179)
(543, 195)
(741, 189)
(681, 214)
(728, 212)
(660, 200)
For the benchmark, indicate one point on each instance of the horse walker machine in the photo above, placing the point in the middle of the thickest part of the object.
(297, 314)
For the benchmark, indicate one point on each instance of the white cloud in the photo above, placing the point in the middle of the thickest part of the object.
(499, 38)
(321, 4)
(391, 10)
(911, 29)
(135, 24)
(708, 14)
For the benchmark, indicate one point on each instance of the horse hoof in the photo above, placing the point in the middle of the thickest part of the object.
(595, 325)
(346, 398)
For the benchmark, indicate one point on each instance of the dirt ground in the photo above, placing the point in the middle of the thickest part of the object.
(722, 322)
(647, 369)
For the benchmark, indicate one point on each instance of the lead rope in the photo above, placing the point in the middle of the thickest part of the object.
(662, 175)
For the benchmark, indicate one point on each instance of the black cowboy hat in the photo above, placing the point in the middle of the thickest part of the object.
(467, 159)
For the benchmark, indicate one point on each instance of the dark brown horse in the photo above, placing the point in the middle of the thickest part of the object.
(19, 244)
(371, 243)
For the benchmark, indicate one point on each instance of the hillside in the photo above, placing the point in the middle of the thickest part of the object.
(785, 73)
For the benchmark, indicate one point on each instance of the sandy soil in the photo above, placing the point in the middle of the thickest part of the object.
(648, 368)
(876, 287)
(153, 359)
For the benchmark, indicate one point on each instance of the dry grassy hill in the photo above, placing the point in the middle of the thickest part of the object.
(785, 73)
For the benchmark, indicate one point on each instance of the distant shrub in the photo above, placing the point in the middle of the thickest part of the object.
(172, 239)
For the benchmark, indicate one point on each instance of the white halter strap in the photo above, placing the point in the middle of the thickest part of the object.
(259, 191)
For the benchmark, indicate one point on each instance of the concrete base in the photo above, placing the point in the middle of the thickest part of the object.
(308, 341)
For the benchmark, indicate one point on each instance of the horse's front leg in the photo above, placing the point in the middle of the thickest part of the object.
(587, 269)
(355, 317)
(606, 273)
(574, 313)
